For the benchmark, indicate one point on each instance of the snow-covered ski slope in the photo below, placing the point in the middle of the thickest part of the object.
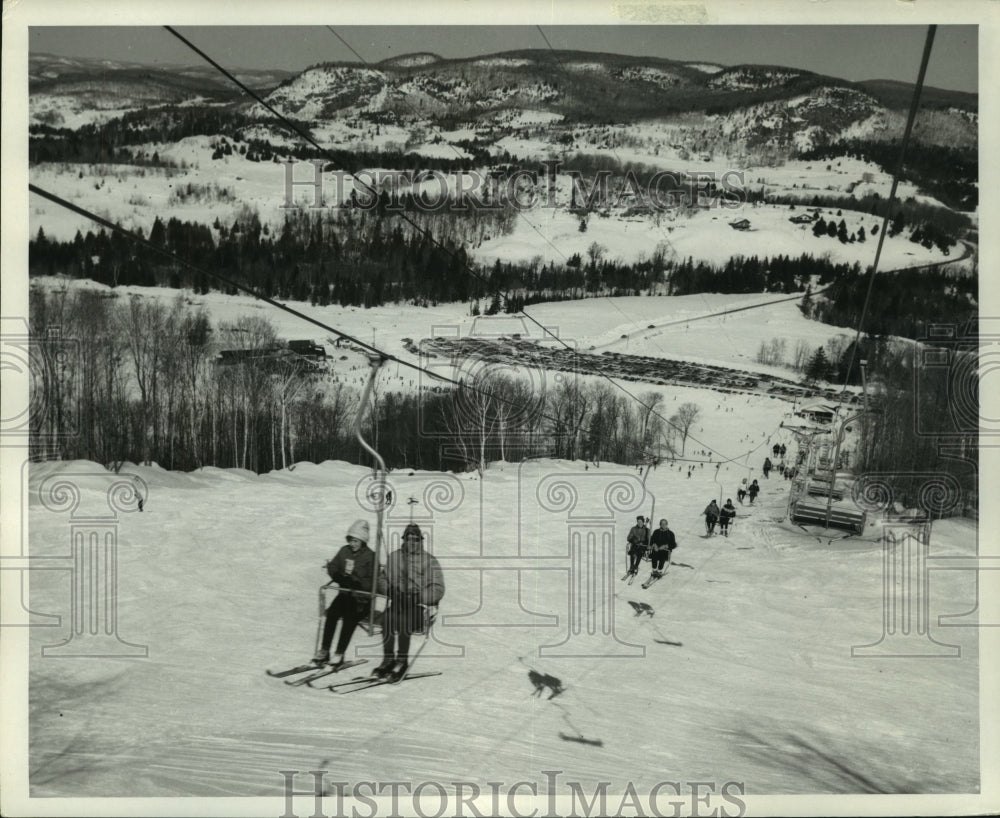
(743, 674)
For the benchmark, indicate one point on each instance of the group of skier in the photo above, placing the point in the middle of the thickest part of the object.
(722, 516)
(750, 491)
(659, 545)
(412, 582)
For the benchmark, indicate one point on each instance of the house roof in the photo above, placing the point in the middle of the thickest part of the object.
(819, 408)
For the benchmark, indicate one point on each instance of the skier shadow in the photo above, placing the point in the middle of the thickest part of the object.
(682, 565)
(593, 742)
(662, 640)
(579, 738)
(543, 681)
(642, 608)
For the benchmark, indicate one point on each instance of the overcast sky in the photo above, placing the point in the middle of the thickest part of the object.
(849, 52)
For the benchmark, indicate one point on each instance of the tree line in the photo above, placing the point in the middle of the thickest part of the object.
(133, 379)
(118, 380)
(949, 173)
(368, 258)
(903, 302)
(919, 421)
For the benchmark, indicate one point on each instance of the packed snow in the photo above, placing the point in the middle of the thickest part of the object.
(744, 668)
(740, 672)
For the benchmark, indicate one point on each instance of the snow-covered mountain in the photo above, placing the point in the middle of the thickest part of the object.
(753, 105)
(66, 92)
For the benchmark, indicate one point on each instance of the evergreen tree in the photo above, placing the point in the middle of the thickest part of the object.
(898, 223)
(806, 305)
(818, 367)
(158, 235)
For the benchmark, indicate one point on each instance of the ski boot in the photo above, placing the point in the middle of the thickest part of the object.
(384, 669)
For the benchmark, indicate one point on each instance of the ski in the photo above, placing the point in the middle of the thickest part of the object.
(324, 671)
(278, 674)
(364, 684)
(356, 680)
(652, 578)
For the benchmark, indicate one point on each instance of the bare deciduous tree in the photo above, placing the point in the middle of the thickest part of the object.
(683, 419)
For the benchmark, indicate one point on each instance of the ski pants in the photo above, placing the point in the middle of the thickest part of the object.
(660, 557)
(635, 553)
(343, 609)
(710, 522)
(403, 617)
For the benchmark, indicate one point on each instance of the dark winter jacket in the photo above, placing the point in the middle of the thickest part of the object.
(413, 572)
(711, 511)
(663, 538)
(638, 537)
(352, 571)
(728, 512)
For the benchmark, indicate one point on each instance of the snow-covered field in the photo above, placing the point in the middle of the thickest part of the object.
(744, 673)
(707, 235)
(134, 196)
(710, 328)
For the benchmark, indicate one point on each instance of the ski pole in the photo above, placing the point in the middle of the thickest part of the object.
(428, 624)
(322, 614)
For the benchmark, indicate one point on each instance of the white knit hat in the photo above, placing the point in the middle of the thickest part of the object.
(359, 529)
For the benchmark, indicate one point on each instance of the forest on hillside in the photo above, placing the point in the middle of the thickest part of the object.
(948, 173)
(370, 258)
(132, 379)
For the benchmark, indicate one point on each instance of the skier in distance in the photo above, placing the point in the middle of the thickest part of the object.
(711, 513)
(726, 514)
